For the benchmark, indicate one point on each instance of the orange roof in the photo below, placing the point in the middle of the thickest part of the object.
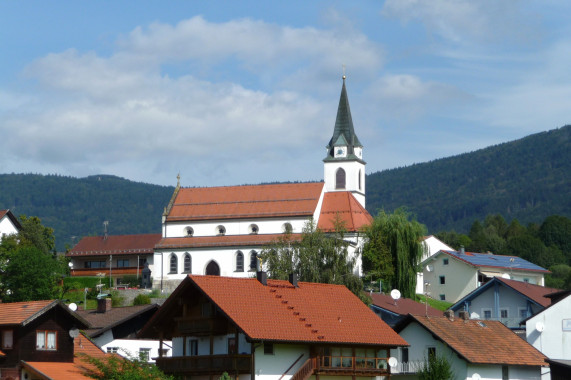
(66, 371)
(279, 311)
(252, 201)
(115, 245)
(17, 313)
(481, 342)
(403, 306)
(342, 204)
(222, 241)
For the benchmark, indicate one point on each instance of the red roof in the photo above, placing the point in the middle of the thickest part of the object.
(115, 245)
(535, 292)
(403, 306)
(279, 311)
(342, 205)
(222, 241)
(481, 342)
(17, 313)
(252, 201)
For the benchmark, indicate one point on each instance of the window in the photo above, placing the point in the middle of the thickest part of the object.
(112, 350)
(523, 313)
(430, 351)
(46, 340)
(445, 261)
(220, 230)
(442, 280)
(505, 372)
(189, 231)
(231, 345)
(173, 264)
(239, 261)
(122, 263)
(253, 229)
(268, 348)
(287, 228)
(526, 280)
(487, 313)
(7, 339)
(193, 347)
(359, 180)
(253, 260)
(144, 354)
(442, 297)
(340, 179)
(503, 313)
(404, 355)
(95, 264)
(142, 261)
(187, 263)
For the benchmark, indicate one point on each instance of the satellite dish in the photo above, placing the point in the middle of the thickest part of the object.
(393, 362)
(74, 333)
(395, 294)
(72, 306)
(474, 315)
(429, 268)
(506, 275)
(476, 376)
(539, 326)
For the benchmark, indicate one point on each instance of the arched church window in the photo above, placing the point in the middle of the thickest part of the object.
(340, 179)
(239, 261)
(359, 180)
(187, 263)
(173, 264)
(253, 260)
(212, 269)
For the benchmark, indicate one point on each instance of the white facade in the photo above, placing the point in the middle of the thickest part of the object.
(550, 332)
(137, 348)
(7, 227)
(354, 178)
(430, 245)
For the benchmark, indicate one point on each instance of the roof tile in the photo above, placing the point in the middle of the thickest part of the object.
(342, 204)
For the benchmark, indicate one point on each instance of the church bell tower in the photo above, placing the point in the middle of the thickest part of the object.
(344, 166)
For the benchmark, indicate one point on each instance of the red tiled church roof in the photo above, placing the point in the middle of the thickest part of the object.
(281, 312)
(251, 201)
(222, 241)
(115, 245)
(344, 206)
(482, 342)
(403, 306)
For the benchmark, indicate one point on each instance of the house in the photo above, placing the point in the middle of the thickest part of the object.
(475, 349)
(430, 246)
(36, 331)
(270, 329)
(507, 301)
(393, 311)
(9, 224)
(115, 256)
(549, 331)
(114, 330)
(221, 230)
(75, 370)
(451, 275)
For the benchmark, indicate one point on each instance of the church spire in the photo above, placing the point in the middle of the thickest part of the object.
(344, 133)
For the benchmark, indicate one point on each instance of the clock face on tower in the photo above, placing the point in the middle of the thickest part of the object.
(340, 152)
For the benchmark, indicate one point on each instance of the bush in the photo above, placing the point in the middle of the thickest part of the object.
(116, 299)
(437, 368)
(80, 282)
(130, 280)
(142, 299)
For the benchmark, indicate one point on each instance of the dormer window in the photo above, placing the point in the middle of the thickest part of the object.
(253, 229)
(221, 230)
(189, 231)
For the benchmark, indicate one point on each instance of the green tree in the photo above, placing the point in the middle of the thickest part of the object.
(394, 239)
(35, 234)
(436, 368)
(114, 367)
(454, 239)
(556, 231)
(560, 277)
(316, 257)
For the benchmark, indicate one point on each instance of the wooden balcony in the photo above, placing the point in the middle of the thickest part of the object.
(115, 272)
(205, 365)
(202, 326)
(351, 365)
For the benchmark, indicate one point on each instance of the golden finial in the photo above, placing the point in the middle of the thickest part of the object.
(344, 72)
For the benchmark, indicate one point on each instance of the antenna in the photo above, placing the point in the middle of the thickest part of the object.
(105, 224)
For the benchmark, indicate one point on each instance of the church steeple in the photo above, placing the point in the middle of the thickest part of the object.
(344, 166)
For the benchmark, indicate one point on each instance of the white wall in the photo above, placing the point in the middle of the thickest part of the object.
(351, 178)
(272, 367)
(7, 227)
(220, 345)
(460, 278)
(129, 348)
(431, 245)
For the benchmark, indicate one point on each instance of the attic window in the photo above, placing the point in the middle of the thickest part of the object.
(189, 231)
(445, 261)
(221, 230)
(46, 340)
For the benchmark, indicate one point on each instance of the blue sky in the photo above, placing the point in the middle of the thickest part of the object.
(228, 93)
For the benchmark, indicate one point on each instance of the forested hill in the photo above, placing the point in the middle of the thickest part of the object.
(77, 207)
(526, 179)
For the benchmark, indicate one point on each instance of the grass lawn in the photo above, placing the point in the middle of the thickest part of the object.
(437, 304)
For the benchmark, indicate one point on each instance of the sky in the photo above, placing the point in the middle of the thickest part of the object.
(245, 92)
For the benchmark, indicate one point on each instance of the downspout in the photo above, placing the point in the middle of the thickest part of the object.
(497, 301)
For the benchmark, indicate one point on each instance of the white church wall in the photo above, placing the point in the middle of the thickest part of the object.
(352, 178)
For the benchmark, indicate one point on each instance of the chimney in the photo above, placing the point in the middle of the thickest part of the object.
(293, 279)
(262, 277)
(464, 315)
(103, 305)
(462, 251)
(449, 314)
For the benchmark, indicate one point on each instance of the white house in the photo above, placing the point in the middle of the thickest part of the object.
(550, 330)
(221, 230)
(270, 329)
(9, 224)
(475, 349)
(451, 275)
(430, 246)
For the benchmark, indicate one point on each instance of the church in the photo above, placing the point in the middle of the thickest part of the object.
(221, 230)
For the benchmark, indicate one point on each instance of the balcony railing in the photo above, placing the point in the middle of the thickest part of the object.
(408, 367)
(352, 364)
(204, 365)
